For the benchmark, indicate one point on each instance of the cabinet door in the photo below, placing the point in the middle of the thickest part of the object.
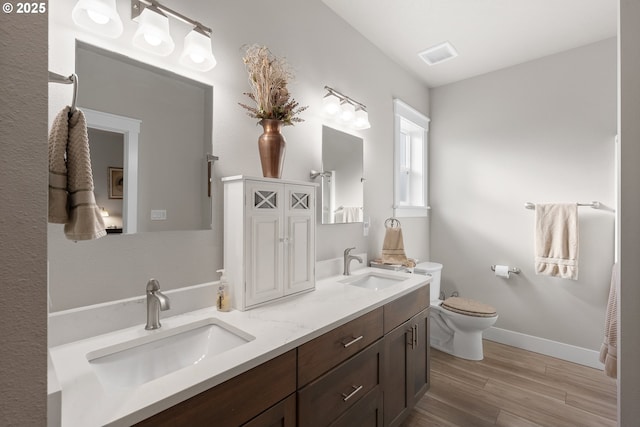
(406, 367)
(397, 365)
(282, 414)
(300, 238)
(421, 356)
(265, 242)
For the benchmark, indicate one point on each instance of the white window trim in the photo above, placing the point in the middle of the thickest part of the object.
(403, 110)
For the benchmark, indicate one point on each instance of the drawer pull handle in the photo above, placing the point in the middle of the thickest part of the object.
(353, 341)
(415, 335)
(346, 397)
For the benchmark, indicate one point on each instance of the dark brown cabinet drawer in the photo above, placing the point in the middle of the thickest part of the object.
(328, 397)
(367, 412)
(327, 351)
(404, 308)
(235, 401)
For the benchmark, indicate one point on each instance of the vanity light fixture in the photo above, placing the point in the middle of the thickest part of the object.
(153, 34)
(98, 16)
(350, 111)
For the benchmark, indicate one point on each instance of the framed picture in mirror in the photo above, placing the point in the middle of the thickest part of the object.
(116, 183)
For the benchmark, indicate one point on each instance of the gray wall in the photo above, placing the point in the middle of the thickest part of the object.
(629, 297)
(542, 131)
(318, 45)
(23, 210)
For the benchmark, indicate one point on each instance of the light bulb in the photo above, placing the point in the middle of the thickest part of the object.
(152, 40)
(153, 33)
(331, 104)
(197, 53)
(97, 17)
(197, 58)
(348, 111)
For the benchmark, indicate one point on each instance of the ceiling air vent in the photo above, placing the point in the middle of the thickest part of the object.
(438, 53)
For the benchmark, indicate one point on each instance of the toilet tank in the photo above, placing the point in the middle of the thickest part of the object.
(435, 270)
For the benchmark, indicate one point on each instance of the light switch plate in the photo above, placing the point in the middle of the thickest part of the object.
(158, 214)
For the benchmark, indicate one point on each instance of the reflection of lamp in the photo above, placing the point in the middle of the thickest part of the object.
(104, 212)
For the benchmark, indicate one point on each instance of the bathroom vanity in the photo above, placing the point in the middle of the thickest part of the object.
(367, 372)
(358, 353)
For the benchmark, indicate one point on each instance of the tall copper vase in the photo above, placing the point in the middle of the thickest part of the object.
(271, 145)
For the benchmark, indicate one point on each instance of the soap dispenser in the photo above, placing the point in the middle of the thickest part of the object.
(223, 302)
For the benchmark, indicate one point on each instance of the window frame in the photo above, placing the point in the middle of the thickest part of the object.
(402, 111)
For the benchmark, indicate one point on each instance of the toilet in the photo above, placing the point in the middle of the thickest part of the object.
(456, 323)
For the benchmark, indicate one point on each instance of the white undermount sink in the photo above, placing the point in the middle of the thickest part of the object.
(373, 280)
(138, 361)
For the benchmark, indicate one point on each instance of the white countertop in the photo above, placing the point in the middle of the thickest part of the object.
(277, 328)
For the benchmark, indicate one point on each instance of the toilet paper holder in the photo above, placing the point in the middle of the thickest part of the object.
(514, 270)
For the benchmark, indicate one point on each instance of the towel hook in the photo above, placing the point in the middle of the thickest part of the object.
(392, 223)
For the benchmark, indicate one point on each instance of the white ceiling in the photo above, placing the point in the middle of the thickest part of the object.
(488, 34)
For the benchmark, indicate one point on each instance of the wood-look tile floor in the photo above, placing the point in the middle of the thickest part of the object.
(512, 387)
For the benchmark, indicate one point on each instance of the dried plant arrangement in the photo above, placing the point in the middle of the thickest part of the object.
(268, 77)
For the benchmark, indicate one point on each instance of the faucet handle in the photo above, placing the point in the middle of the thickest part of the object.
(348, 250)
(153, 285)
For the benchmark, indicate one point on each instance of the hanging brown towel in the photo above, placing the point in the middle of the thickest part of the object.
(393, 245)
(71, 198)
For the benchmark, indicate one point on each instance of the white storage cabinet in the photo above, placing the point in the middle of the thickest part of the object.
(269, 238)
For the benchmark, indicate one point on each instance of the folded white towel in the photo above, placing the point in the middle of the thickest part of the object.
(353, 214)
(556, 240)
(71, 198)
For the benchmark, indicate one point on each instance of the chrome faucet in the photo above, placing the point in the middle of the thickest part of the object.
(347, 261)
(156, 302)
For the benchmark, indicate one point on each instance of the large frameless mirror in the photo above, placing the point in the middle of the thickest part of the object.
(155, 180)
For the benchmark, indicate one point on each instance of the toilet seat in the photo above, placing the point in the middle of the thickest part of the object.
(468, 307)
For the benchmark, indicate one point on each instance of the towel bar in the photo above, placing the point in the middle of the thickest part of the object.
(594, 205)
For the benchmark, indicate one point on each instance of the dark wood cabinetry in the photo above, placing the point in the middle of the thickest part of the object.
(328, 350)
(235, 401)
(406, 367)
(336, 392)
(282, 414)
(368, 372)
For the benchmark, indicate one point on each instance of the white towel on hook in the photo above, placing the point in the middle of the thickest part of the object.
(556, 240)
(71, 198)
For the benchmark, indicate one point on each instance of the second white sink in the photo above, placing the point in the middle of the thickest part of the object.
(373, 280)
(139, 361)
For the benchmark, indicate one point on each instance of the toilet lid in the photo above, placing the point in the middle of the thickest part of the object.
(468, 307)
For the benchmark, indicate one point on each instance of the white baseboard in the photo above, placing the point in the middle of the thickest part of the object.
(568, 352)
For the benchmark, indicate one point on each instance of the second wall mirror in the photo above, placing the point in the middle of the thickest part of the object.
(341, 177)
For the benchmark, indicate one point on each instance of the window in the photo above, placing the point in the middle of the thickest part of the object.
(410, 161)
